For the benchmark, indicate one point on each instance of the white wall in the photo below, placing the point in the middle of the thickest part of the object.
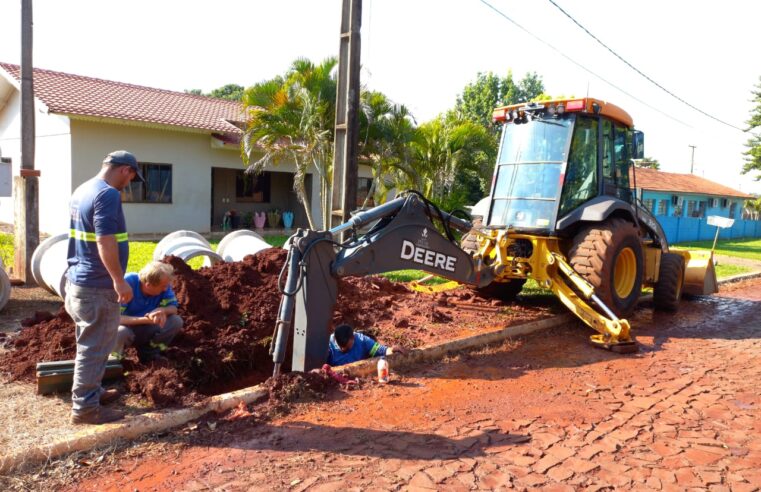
(192, 157)
(52, 158)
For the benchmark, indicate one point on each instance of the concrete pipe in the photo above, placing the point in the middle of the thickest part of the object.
(49, 264)
(186, 245)
(236, 245)
(5, 287)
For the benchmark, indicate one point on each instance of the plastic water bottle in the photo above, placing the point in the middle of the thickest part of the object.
(383, 370)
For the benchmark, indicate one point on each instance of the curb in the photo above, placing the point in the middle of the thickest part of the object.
(134, 427)
(131, 428)
(739, 278)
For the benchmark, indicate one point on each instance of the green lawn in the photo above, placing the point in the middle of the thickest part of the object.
(723, 271)
(6, 248)
(741, 248)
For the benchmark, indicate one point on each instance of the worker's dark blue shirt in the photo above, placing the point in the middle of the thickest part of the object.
(363, 348)
(141, 304)
(95, 210)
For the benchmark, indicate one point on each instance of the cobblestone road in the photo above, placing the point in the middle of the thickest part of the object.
(548, 412)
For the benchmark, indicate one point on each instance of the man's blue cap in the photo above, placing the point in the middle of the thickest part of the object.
(124, 158)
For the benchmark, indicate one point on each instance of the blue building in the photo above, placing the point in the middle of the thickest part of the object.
(682, 203)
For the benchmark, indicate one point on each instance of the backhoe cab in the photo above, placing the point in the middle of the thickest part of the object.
(562, 211)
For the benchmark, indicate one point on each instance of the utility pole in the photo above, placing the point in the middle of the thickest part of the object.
(344, 189)
(692, 159)
(26, 185)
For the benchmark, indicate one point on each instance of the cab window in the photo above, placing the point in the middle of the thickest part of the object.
(580, 182)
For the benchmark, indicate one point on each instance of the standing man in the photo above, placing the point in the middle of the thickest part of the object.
(98, 253)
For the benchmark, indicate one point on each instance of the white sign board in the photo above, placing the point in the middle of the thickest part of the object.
(719, 221)
(6, 179)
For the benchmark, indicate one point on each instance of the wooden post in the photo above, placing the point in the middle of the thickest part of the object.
(344, 189)
(27, 231)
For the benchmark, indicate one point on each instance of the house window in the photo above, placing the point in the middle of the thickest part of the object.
(157, 187)
(724, 202)
(650, 205)
(702, 206)
(363, 189)
(252, 188)
(691, 206)
(663, 206)
(732, 208)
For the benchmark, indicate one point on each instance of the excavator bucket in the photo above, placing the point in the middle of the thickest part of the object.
(699, 273)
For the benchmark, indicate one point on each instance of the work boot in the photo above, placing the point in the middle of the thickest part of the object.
(109, 396)
(100, 415)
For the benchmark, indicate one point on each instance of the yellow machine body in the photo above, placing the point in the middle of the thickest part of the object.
(549, 267)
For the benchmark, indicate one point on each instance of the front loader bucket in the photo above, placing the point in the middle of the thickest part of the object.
(699, 273)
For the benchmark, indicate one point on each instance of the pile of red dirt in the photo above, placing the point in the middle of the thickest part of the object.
(229, 312)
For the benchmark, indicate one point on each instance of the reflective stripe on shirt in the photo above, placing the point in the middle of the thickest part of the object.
(374, 349)
(91, 237)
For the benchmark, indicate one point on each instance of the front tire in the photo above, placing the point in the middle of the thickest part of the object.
(668, 291)
(609, 256)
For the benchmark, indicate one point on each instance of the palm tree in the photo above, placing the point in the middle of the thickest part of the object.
(291, 118)
(386, 130)
(752, 208)
(443, 149)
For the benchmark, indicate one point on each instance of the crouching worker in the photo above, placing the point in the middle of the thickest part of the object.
(149, 321)
(346, 347)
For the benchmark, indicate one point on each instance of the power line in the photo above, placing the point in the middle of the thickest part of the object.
(639, 71)
(502, 14)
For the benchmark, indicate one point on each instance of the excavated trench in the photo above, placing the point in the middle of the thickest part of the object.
(229, 311)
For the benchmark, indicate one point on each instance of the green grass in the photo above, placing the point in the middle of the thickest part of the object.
(740, 248)
(724, 271)
(6, 248)
(410, 275)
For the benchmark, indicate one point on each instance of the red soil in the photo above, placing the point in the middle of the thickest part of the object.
(230, 310)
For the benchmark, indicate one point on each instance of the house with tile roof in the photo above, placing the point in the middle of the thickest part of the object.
(683, 202)
(187, 146)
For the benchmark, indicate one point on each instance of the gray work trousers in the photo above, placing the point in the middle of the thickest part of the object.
(147, 338)
(96, 314)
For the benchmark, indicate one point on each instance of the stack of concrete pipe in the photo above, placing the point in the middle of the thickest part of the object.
(49, 259)
(237, 245)
(186, 245)
(49, 264)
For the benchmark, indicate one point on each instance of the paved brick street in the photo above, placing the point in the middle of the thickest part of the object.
(547, 412)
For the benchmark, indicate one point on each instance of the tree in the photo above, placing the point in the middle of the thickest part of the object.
(444, 150)
(232, 92)
(752, 208)
(753, 155)
(479, 98)
(648, 162)
(386, 131)
(291, 117)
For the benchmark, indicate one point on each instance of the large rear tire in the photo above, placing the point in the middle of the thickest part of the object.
(609, 256)
(668, 291)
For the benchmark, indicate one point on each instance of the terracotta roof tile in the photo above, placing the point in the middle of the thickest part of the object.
(75, 94)
(653, 180)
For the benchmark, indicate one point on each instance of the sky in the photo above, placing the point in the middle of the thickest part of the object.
(422, 53)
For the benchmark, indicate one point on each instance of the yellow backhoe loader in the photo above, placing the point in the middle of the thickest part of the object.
(562, 210)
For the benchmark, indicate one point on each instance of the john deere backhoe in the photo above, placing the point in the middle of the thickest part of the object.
(562, 211)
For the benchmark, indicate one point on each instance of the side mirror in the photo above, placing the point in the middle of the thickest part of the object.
(638, 145)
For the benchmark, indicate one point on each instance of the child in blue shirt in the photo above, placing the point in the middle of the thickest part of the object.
(346, 347)
(149, 321)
